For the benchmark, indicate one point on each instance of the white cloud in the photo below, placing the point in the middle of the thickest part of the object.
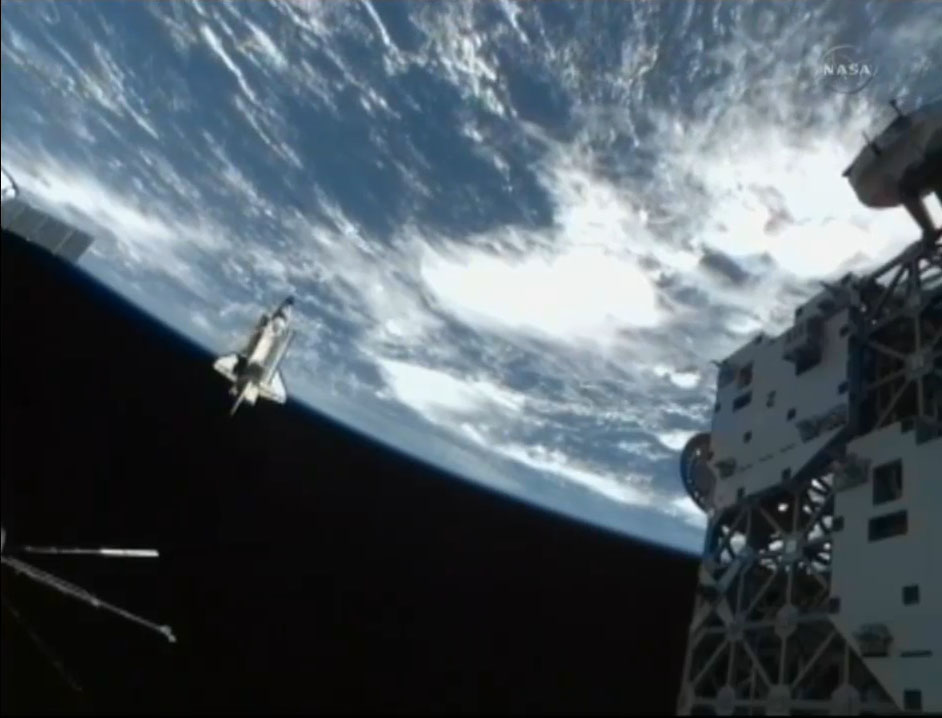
(141, 234)
(674, 440)
(215, 44)
(458, 50)
(616, 488)
(486, 415)
(682, 379)
(75, 191)
(581, 294)
(380, 27)
(626, 489)
(684, 508)
(766, 193)
(261, 40)
(441, 396)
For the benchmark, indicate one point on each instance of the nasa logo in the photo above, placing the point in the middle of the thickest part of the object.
(844, 70)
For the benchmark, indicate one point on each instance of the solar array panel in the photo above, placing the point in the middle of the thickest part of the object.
(40, 228)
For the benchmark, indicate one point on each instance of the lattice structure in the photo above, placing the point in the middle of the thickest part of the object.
(900, 329)
(818, 591)
(762, 641)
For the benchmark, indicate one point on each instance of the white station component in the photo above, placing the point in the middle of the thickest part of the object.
(820, 584)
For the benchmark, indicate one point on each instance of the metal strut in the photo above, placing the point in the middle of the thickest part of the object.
(76, 592)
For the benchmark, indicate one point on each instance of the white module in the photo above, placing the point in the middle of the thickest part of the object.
(780, 400)
(886, 573)
(820, 586)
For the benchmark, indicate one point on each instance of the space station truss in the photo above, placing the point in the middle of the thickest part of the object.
(820, 585)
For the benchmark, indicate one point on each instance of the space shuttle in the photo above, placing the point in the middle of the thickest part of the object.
(253, 371)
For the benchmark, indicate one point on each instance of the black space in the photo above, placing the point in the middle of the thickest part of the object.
(303, 567)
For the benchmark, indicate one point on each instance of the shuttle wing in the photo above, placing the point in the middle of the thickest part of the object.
(226, 366)
(275, 389)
